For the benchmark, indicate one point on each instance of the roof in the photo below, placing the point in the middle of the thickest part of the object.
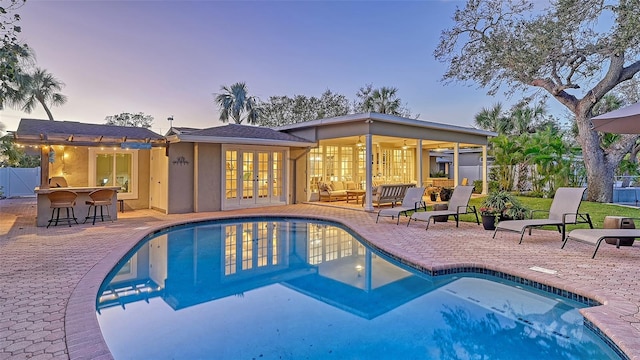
(180, 130)
(242, 134)
(36, 131)
(370, 117)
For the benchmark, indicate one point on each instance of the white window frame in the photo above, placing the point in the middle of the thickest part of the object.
(93, 152)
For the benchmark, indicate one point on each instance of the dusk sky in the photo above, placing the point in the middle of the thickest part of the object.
(168, 58)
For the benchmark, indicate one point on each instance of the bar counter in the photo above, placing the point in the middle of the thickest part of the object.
(81, 209)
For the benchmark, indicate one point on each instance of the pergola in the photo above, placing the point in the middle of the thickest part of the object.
(45, 133)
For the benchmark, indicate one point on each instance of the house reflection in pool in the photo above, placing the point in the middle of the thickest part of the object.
(195, 265)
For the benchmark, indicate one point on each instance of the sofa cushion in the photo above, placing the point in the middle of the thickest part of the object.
(337, 185)
(350, 185)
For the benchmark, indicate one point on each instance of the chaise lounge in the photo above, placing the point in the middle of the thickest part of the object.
(412, 201)
(596, 236)
(459, 204)
(563, 211)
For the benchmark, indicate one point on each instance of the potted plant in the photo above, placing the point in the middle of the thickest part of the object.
(445, 193)
(490, 217)
(433, 192)
(500, 205)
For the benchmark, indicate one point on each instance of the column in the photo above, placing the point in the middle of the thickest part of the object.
(44, 166)
(368, 205)
(419, 163)
(485, 184)
(456, 164)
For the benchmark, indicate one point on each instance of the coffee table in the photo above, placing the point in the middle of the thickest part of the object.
(354, 195)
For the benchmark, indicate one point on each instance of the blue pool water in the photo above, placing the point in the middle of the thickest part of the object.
(298, 289)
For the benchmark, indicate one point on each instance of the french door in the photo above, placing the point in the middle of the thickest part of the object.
(253, 177)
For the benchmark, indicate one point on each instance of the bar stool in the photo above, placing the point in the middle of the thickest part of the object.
(101, 198)
(62, 199)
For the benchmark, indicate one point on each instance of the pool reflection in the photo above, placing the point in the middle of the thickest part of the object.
(296, 289)
(195, 265)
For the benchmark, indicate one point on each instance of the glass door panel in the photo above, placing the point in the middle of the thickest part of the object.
(263, 187)
(231, 175)
(247, 176)
(276, 176)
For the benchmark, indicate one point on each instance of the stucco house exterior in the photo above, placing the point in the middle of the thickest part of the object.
(238, 166)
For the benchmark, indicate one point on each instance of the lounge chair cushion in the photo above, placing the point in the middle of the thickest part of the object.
(593, 236)
(596, 236)
(427, 215)
(520, 225)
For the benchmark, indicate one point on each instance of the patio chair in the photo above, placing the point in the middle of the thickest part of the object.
(596, 236)
(412, 201)
(62, 199)
(101, 198)
(459, 204)
(563, 211)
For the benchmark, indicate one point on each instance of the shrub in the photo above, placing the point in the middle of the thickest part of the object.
(477, 186)
(503, 203)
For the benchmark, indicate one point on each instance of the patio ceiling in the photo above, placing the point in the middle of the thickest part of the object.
(391, 141)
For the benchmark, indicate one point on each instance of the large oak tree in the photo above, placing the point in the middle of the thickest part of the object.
(576, 51)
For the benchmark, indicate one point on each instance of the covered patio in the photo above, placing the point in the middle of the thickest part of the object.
(400, 151)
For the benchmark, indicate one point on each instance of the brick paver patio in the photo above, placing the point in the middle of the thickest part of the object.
(49, 277)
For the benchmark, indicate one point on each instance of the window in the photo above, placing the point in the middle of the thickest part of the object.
(315, 168)
(115, 167)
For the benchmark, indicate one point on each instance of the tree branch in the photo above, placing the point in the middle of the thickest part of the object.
(630, 71)
(558, 92)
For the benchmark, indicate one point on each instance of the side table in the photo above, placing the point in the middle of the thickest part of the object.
(354, 195)
(619, 222)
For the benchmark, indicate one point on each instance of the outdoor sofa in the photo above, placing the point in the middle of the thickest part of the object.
(390, 193)
(335, 190)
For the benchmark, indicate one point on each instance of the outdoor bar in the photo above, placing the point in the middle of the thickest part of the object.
(83, 158)
(81, 209)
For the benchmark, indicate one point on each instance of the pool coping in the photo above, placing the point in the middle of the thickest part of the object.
(85, 341)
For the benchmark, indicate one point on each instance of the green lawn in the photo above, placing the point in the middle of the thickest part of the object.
(597, 211)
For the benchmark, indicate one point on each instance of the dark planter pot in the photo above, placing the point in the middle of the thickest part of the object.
(489, 222)
(445, 194)
(441, 218)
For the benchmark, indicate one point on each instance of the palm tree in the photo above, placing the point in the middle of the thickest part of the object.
(235, 102)
(526, 118)
(383, 100)
(494, 120)
(40, 87)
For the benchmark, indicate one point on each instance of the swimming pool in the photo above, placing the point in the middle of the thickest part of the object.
(304, 289)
